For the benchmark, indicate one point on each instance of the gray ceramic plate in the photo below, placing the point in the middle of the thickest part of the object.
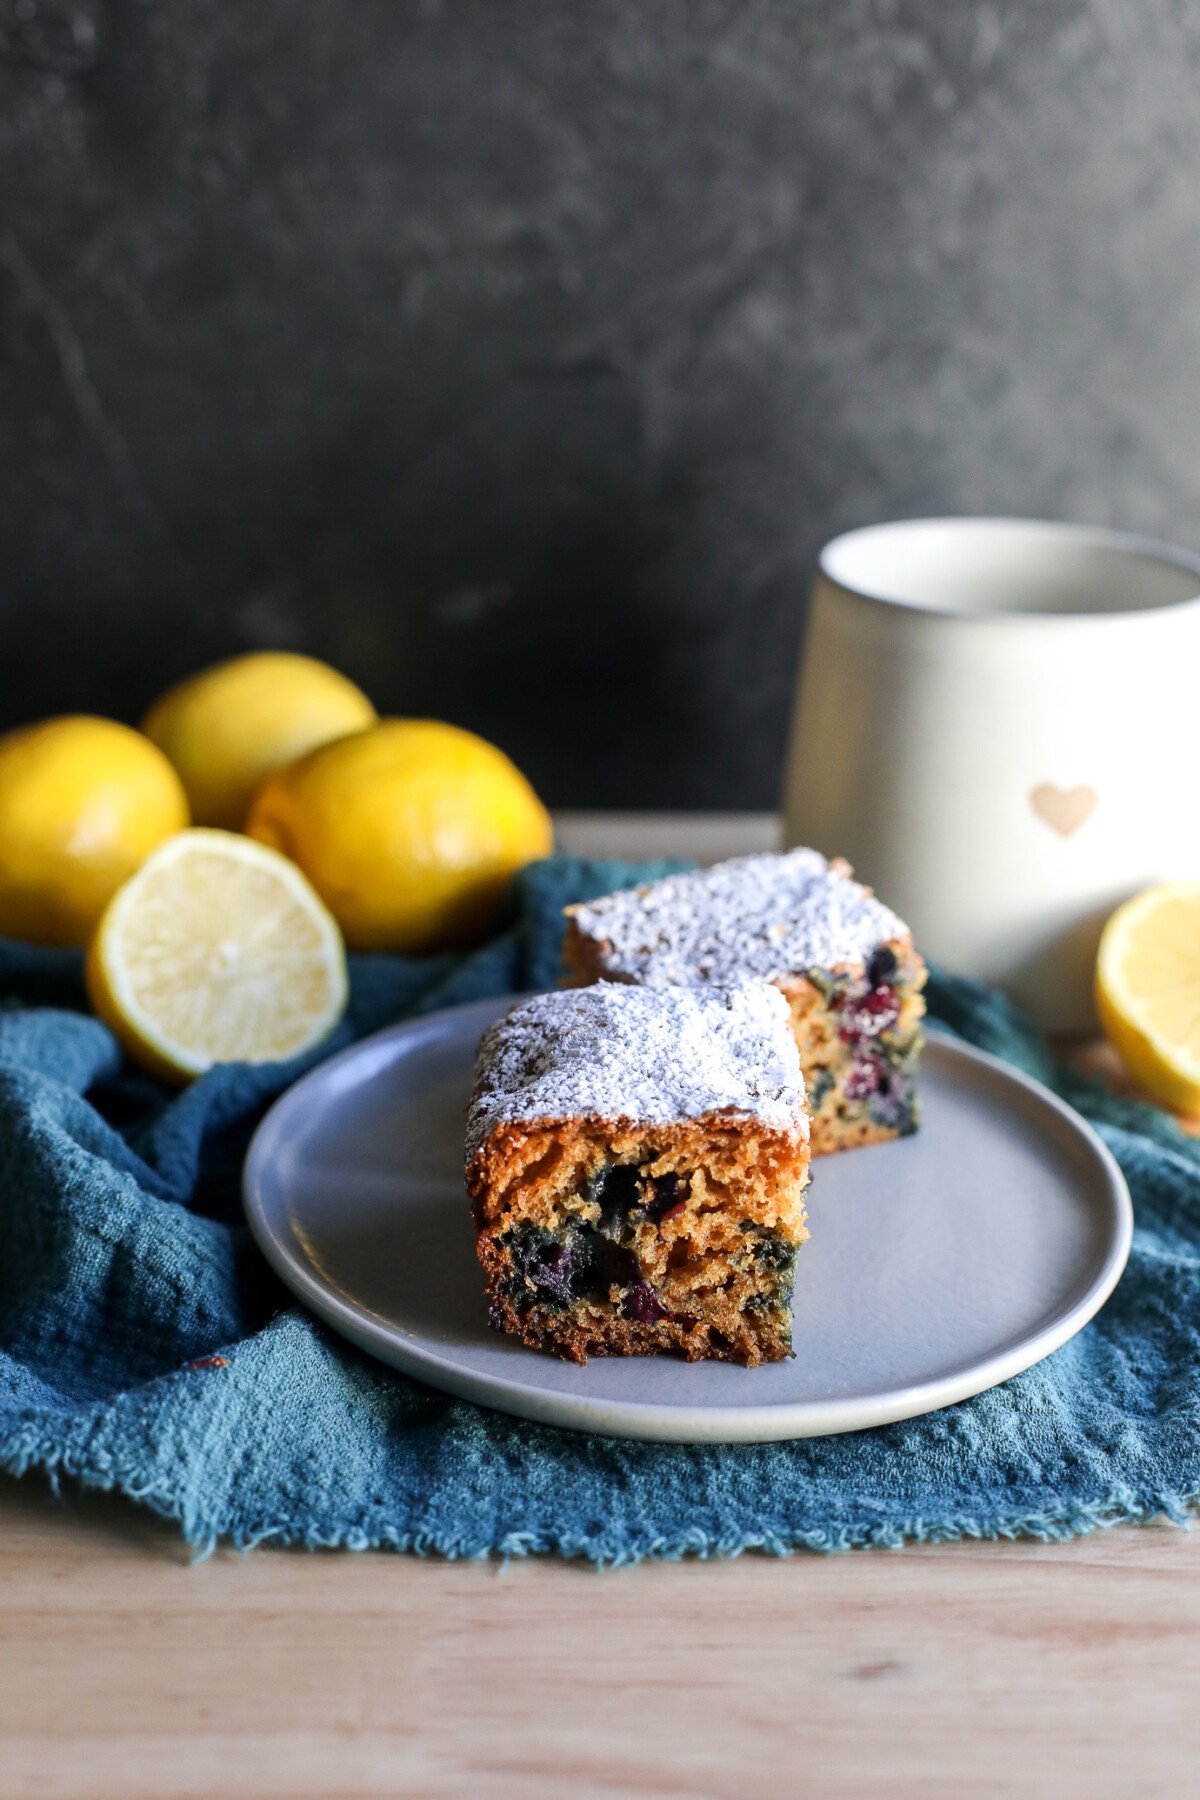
(936, 1268)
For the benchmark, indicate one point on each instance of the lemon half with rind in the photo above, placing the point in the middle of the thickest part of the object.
(217, 950)
(1148, 991)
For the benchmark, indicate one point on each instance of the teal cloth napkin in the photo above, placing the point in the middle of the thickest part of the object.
(146, 1347)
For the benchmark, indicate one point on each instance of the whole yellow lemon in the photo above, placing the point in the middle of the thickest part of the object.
(409, 831)
(83, 802)
(226, 728)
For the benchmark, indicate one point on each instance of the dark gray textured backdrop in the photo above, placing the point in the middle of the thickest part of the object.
(518, 355)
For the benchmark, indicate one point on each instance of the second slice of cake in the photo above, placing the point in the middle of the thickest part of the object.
(636, 1159)
(844, 962)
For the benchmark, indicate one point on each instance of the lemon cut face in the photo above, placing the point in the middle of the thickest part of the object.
(217, 950)
(1148, 990)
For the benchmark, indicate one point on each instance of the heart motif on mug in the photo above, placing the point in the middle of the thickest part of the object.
(1063, 809)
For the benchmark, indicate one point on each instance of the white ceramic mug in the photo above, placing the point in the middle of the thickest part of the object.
(998, 722)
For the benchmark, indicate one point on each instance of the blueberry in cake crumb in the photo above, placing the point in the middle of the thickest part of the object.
(616, 1191)
(642, 1303)
(883, 966)
(636, 1160)
(543, 1266)
(668, 1197)
(844, 962)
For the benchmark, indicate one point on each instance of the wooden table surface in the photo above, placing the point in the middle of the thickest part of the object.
(936, 1670)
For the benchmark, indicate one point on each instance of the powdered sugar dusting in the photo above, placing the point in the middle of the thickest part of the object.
(766, 916)
(650, 1055)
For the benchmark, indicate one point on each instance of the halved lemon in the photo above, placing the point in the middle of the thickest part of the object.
(1148, 990)
(216, 950)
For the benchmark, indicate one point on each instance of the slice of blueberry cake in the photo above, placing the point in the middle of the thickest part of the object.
(845, 963)
(636, 1160)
